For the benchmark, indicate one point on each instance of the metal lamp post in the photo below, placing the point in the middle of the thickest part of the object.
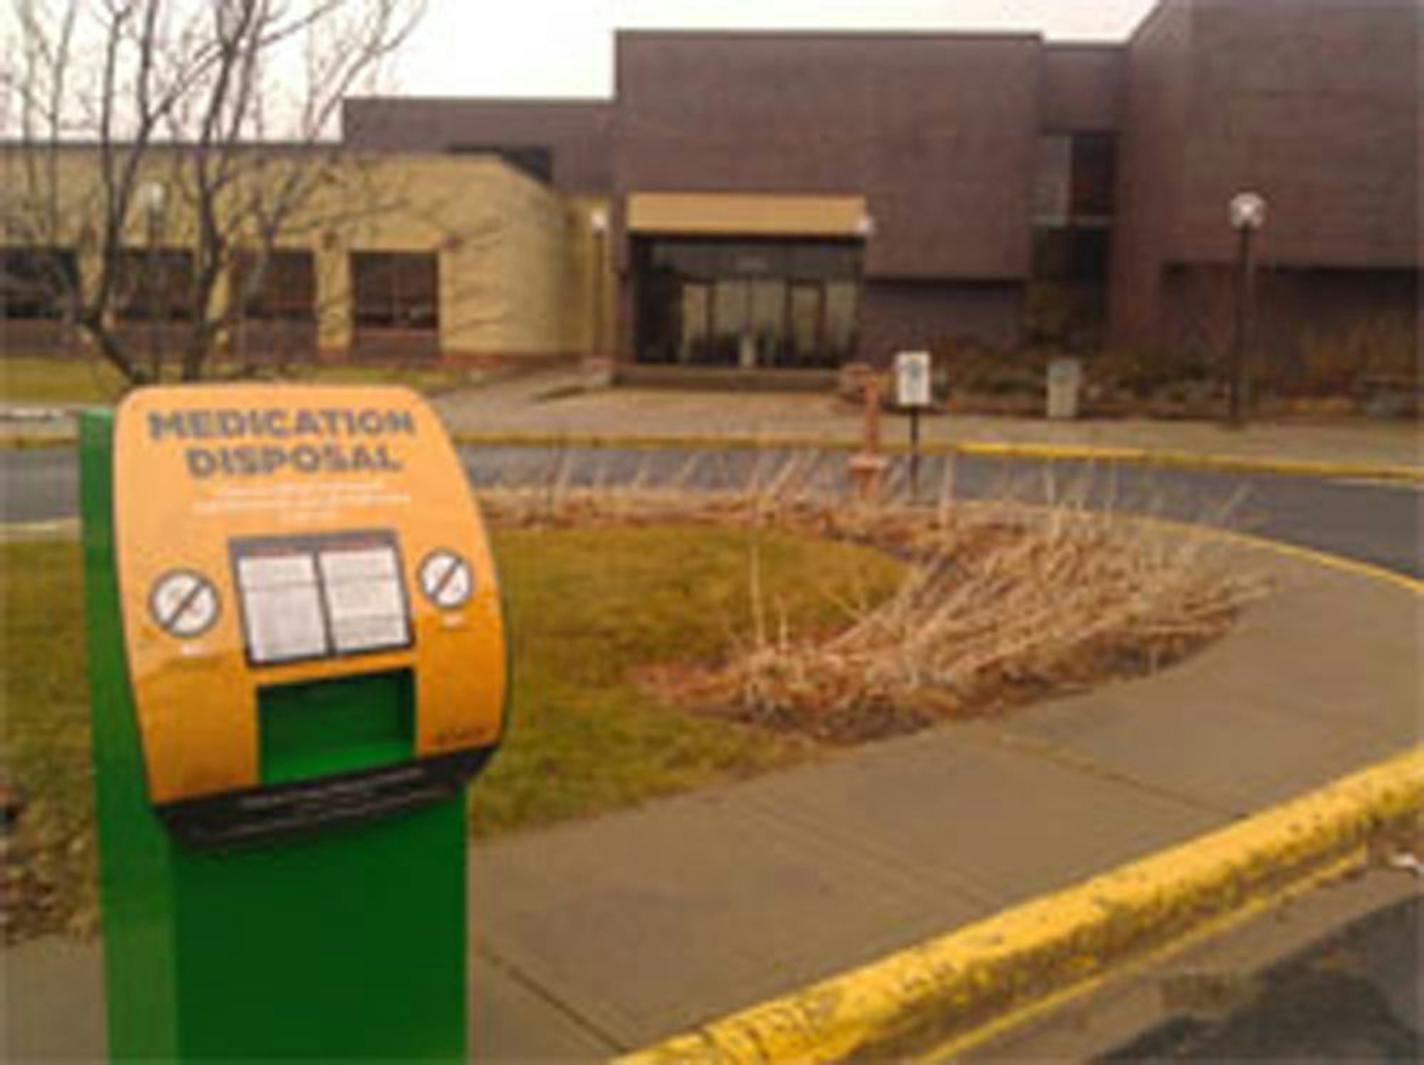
(1248, 215)
(154, 196)
(598, 223)
(865, 230)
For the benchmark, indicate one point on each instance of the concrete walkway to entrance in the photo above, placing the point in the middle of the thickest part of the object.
(558, 404)
(610, 934)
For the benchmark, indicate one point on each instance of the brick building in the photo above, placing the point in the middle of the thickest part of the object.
(784, 202)
(790, 199)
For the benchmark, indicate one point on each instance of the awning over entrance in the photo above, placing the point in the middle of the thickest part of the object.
(746, 214)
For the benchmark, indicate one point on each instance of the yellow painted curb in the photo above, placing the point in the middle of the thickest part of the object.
(57, 529)
(948, 987)
(36, 441)
(1320, 558)
(1193, 460)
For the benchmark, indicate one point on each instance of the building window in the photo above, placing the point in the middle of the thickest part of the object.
(395, 290)
(1074, 203)
(1052, 191)
(36, 283)
(1066, 304)
(278, 287)
(1093, 181)
(1071, 253)
(1077, 178)
(786, 304)
(154, 284)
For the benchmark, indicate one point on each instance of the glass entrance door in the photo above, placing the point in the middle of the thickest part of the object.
(731, 321)
(749, 305)
(806, 313)
(766, 300)
(695, 324)
(749, 324)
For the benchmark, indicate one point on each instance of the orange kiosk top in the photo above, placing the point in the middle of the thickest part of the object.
(272, 536)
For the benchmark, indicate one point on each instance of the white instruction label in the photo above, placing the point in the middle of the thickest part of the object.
(281, 607)
(321, 595)
(364, 600)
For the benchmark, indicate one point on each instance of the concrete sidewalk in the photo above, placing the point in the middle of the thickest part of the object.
(610, 934)
(553, 404)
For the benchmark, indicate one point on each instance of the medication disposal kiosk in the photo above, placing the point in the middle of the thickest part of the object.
(297, 661)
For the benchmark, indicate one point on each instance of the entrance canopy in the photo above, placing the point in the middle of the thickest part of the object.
(727, 214)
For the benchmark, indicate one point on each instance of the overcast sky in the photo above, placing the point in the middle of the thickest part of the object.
(565, 47)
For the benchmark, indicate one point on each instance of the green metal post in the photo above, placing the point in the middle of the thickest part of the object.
(135, 881)
(347, 944)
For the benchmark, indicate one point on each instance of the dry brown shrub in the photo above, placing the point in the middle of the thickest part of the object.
(1002, 602)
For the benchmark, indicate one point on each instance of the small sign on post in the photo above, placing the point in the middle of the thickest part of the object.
(912, 393)
(912, 379)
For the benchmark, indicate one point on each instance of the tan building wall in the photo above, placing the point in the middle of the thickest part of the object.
(531, 281)
(591, 291)
(502, 240)
(514, 257)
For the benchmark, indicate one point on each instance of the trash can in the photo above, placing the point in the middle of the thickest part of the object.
(1065, 382)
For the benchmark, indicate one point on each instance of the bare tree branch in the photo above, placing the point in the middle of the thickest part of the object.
(181, 96)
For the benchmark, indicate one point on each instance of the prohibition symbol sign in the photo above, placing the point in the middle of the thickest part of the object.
(445, 579)
(184, 603)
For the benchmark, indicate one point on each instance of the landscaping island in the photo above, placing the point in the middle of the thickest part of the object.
(666, 642)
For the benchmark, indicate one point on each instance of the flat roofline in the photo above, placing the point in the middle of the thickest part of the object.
(514, 101)
(830, 35)
(1086, 46)
(344, 151)
(45, 144)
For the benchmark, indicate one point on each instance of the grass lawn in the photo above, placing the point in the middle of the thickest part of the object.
(89, 380)
(35, 379)
(587, 607)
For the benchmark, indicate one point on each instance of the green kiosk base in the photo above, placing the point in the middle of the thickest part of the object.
(322, 934)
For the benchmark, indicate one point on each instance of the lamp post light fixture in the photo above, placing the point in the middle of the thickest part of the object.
(598, 224)
(154, 195)
(865, 230)
(1247, 214)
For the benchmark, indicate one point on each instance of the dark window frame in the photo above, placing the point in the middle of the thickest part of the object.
(1078, 253)
(1092, 189)
(154, 284)
(395, 290)
(1076, 178)
(286, 292)
(37, 283)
